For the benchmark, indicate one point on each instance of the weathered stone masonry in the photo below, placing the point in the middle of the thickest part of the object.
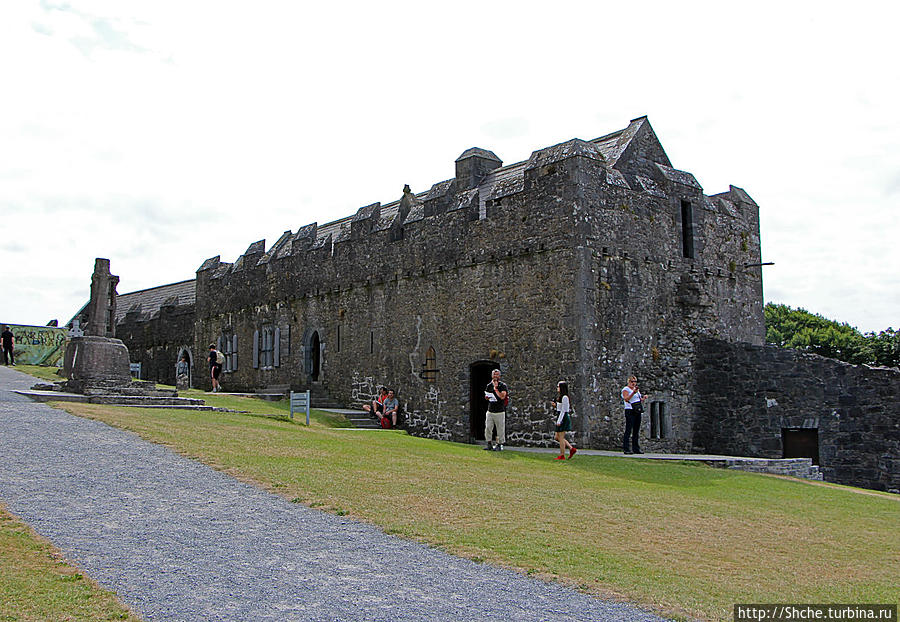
(590, 261)
(749, 396)
(569, 265)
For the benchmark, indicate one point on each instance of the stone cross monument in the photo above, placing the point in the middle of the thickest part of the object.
(101, 310)
(98, 359)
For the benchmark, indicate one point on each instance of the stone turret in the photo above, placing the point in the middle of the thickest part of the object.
(473, 165)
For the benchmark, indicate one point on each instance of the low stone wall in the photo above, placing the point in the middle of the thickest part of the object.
(747, 395)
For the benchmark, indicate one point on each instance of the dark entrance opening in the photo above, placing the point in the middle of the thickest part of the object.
(314, 361)
(479, 377)
(801, 443)
(190, 369)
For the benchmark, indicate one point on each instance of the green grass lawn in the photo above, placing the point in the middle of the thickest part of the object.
(37, 584)
(682, 539)
(41, 372)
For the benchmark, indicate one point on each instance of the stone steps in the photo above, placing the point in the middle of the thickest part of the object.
(143, 400)
(119, 400)
(793, 467)
(130, 391)
(319, 398)
(362, 419)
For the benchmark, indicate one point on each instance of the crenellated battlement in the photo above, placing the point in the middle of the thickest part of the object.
(485, 205)
(589, 260)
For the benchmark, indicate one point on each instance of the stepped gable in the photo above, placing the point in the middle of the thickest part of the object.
(501, 182)
(439, 190)
(365, 221)
(301, 241)
(250, 257)
(210, 263)
(279, 244)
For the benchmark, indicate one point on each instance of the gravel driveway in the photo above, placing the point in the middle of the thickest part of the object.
(178, 540)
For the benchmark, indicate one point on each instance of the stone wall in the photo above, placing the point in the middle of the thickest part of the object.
(561, 267)
(749, 394)
(157, 342)
(472, 289)
(644, 304)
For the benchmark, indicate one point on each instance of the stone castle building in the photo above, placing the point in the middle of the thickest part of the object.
(590, 261)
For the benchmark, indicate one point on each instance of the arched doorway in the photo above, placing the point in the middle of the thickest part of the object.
(185, 352)
(314, 357)
(479, 377)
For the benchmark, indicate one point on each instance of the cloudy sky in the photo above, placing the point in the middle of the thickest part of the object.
(158, 134)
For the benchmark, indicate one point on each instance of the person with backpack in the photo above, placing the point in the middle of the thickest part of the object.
(215, 359)
(497, 395)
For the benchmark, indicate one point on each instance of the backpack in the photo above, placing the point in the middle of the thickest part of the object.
(386, 423)
(220, 358)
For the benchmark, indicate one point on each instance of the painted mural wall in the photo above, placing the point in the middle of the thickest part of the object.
(39, 345)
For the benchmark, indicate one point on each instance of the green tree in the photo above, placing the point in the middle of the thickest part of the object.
(884, 348)
(809, 332)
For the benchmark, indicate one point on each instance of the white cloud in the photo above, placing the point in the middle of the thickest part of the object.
(160, 134)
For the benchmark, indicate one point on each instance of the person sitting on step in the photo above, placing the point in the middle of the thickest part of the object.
(391, 406)
(377, 406)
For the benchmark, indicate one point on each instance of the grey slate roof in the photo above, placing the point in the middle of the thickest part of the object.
(148, 301)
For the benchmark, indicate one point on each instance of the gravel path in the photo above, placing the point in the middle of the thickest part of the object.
(178, 540)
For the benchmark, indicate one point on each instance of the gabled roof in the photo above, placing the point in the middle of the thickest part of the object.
(638, 140)
(149, 301)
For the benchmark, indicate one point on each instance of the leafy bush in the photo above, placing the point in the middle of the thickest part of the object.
(809, 332)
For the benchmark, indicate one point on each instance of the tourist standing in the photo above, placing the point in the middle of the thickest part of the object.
(633, 408)
(496, 394)
(563, 420)
(215, 367)
(7, 340)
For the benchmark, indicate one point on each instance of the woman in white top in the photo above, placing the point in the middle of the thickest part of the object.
(633, 408)
(563, 420)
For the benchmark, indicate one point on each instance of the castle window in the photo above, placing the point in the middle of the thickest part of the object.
(276, 349)
(429, 371)
(687, 229)
(659, 420)
(372, 342)
(227, 345)
(264, 347)
(338, 339)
